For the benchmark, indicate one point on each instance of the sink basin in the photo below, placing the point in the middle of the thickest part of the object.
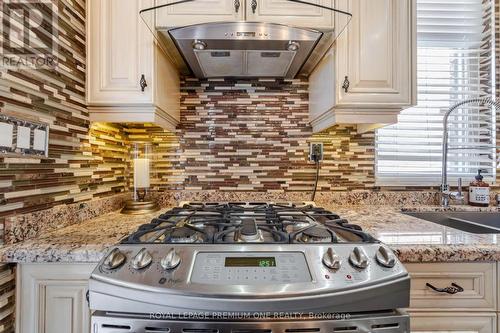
(473, 222)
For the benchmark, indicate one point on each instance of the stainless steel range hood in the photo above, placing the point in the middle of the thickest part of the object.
(245, 49)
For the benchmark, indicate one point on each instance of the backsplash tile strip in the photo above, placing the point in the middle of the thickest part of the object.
(84, 161)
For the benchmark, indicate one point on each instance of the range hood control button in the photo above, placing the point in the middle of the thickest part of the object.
(115, 259)
(142, 259)
(171, 260)
(385, 257)
(331, 260)
(358, 258)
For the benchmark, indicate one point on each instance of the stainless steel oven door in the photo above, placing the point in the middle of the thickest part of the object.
(386, 322)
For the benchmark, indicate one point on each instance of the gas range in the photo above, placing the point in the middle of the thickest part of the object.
(243, 259)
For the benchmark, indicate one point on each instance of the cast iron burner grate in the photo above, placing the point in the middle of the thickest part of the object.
(254, 222)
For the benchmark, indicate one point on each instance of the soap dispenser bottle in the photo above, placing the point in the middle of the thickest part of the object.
(479, 192)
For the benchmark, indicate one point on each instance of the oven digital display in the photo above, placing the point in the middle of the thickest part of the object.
(250, 262)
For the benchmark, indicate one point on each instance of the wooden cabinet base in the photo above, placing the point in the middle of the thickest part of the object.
(51, 298)
(450, 322)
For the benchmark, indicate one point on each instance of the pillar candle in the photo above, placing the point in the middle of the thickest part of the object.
(141, 172)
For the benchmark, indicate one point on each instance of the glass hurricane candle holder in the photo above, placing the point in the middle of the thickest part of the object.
(141, 159)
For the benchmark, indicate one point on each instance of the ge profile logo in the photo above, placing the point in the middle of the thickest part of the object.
(29, 33)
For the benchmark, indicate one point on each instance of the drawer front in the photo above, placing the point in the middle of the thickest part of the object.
(478, 281)
(453, 322)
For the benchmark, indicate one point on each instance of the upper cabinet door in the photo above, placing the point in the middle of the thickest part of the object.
(376, 55)
(289, 13)
(199, 11)
(120, 52)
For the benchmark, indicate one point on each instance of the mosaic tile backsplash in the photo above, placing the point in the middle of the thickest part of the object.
(84, 161)
(234, 136)
(253, 136)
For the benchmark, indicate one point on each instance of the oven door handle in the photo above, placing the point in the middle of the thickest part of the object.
(454, 289)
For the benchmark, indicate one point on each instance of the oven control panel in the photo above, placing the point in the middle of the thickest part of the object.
(250, 268)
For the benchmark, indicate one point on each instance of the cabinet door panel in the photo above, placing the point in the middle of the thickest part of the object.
(375, 53)
(65, 308)
(200, 11)
(52, 298)
(295, 14)
(120, 52)
(453, 322)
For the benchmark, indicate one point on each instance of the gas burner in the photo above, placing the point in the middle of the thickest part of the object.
(184, 235)
(316, 234)
(296, 223)
(248, 232)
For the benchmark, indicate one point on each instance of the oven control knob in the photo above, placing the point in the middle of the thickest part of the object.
(115, 259)
(142, 259)
(171, 260)
(385, 257)
(358, 258)
(331, 259)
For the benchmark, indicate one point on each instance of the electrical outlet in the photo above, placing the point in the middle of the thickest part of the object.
(316, 152)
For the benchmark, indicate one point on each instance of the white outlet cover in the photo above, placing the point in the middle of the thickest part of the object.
(6, 135)
(23, 137)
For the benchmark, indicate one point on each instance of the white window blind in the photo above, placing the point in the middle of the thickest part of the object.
(454, 63)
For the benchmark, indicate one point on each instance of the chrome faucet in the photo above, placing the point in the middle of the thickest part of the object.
(446, 195)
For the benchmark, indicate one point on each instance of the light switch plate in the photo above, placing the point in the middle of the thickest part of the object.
(6, 135)
(23, 137)
(39, 140)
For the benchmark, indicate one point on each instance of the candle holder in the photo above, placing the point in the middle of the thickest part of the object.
(141, 155)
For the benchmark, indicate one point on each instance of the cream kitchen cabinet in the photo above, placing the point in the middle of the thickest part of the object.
(373, 65)
(459, 322)
(51, 298)
(474, 309)
(199, 11)
(129, 78)
(296, 14)
(272, 11)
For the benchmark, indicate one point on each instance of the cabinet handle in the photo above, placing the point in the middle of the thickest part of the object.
(346, 84)
(254, 6)
(237, 5)
(143, 82)
(454, 289)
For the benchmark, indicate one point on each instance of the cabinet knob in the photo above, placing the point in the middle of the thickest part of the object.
(346, 84)
(254, 6)
(143, 83)
(237, 5)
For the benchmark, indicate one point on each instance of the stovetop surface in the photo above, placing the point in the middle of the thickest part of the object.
(253, 222)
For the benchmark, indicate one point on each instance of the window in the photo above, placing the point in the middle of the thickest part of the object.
(455, 62)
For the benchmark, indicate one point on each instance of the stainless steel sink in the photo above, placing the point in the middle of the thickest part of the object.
(473, 222)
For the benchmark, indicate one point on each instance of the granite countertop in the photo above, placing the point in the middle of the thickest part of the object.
(413, 240)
